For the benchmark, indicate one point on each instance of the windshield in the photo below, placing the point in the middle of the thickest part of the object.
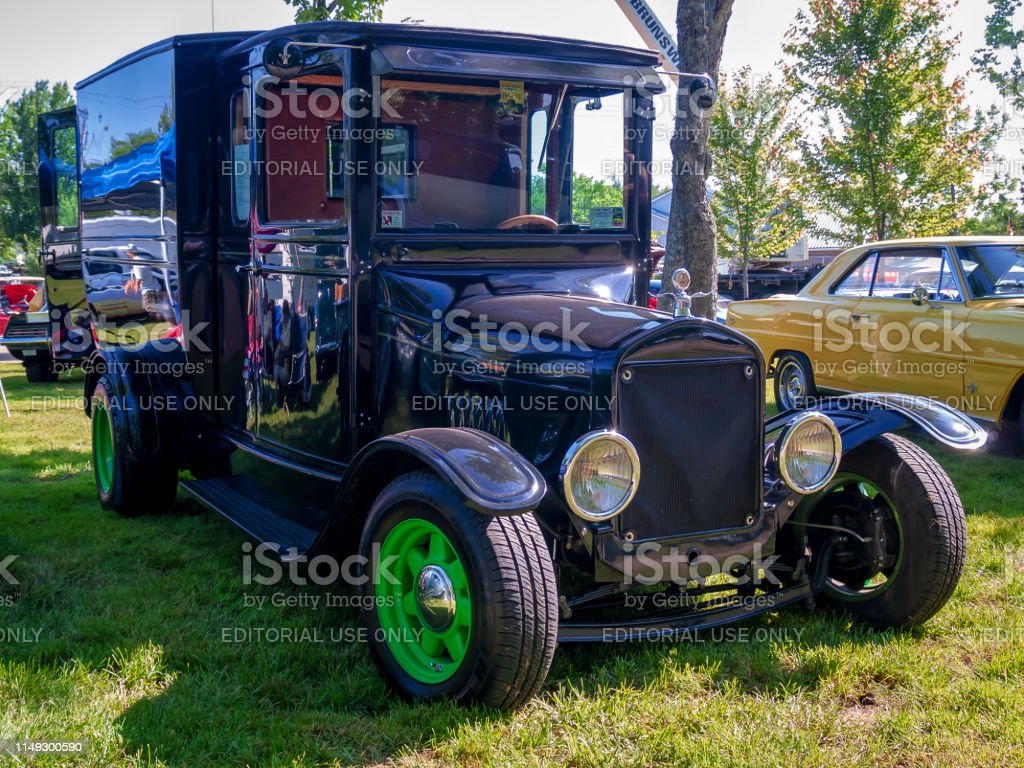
(993, 271)
(503, 155)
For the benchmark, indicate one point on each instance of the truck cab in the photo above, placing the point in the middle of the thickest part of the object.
(385, 295)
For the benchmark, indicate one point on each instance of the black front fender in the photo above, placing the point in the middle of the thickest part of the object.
(491, 476)
(861, 417)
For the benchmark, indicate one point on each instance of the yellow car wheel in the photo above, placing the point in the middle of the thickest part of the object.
(794, 382)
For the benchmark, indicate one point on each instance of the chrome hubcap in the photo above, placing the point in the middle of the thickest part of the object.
(793, 383)
(435, 598)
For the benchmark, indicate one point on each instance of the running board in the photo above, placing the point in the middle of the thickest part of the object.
(268, 522)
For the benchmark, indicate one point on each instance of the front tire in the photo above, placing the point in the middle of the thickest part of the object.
(125, 485)
(473, 616)
(893, 492)
(793, 382)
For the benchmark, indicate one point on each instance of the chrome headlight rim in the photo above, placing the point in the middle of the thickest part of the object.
(570, 459)
(783, 442)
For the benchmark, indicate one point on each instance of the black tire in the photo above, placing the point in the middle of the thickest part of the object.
(933, 538)
(134, 488)
(793, 382)
(1020, 429)
(514, 598)
(40, 369)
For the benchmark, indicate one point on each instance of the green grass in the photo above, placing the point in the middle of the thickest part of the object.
(130, 654)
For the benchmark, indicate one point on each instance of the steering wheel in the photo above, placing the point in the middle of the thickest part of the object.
(530, 220)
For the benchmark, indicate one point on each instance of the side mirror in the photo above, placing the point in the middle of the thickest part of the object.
(920, 295)
(283, 59)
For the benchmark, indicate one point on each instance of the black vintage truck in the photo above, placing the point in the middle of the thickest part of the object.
(350, 284)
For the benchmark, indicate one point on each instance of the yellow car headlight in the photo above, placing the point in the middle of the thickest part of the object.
(600, 474)
(809, 452)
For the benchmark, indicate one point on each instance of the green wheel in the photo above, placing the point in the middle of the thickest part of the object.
(457, 604)
(426, 617)
(124, 483)
(102, 446)
(908, 553)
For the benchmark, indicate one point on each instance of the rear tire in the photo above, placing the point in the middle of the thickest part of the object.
(495, 637)
(125, 485)
(793, 382)
(925, 539)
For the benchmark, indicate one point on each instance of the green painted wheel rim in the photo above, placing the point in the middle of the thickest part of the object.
(868, 590)
(102, 446)
(425, 653)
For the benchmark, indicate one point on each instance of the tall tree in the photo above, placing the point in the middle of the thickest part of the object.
(338, 10)
(19, 155)
(897, 147)
(690, 243)
(753, 142)
(1000, 58)
(998, 208)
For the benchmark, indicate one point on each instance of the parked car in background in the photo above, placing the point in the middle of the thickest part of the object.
(937, 317)
(25, 327)
(16, 294)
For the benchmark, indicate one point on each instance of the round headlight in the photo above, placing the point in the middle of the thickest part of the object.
(809, 452)
(600, 474)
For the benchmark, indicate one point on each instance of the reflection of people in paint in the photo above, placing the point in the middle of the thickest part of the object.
(291, 356)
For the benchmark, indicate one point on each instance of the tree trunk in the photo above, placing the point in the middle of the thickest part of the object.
(746, 280)
(690, 243)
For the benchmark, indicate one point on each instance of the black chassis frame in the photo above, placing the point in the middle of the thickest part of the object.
(388, 274)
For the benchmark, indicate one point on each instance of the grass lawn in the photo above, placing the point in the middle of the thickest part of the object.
(126, 619)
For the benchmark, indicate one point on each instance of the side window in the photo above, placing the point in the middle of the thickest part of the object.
(301, 149)
(65, 163)
(900, 272)
(240, 167)
(857, 282)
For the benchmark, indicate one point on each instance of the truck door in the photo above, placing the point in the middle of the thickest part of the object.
(283, 306)
(60, 253)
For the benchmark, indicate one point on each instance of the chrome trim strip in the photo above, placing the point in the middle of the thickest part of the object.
(276, 459)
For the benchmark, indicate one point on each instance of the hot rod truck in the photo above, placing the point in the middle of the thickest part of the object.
(374, 311)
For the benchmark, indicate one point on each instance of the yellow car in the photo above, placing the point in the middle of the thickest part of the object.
(938, 317)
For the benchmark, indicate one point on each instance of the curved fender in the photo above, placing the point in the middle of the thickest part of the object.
(860, 417)
(491, 476)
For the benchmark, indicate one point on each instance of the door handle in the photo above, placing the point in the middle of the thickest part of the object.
(856, 317)
(253, 267)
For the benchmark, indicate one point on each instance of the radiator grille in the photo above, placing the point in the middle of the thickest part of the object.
(696, 427)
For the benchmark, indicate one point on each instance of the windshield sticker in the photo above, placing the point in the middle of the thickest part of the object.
(513, 96)
(607, 217)
(393, 219)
